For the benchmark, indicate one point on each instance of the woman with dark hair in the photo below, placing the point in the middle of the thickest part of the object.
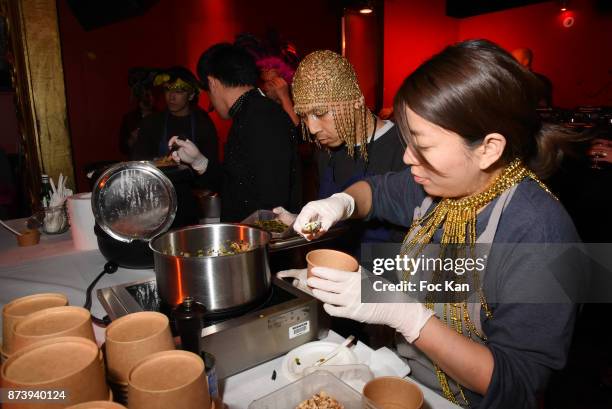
(476, 151)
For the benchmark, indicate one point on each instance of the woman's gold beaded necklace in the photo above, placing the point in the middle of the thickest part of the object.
(457, 217)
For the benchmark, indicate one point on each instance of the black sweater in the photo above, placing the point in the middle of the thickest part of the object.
(260, 168)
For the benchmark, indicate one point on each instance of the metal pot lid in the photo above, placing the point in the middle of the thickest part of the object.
(133, 200)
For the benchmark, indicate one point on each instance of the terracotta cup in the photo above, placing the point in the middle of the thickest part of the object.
(70, 364)
(118, 389)
(332, 259)
(99, 404)
(69, 321)
(19, 308)
(169, 380)
(391, 392)
(133, 337)
(29, 237)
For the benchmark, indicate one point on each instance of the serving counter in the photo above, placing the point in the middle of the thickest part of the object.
(54, 265)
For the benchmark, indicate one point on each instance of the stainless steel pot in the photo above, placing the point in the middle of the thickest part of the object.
(221, 283)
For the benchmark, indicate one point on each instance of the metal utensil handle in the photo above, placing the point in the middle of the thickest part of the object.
(335, 352)
(6, 226)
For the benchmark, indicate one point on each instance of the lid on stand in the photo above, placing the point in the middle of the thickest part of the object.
(133, 201)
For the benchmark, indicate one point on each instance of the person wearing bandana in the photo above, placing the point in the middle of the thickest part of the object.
(476, 151)
(184, 119)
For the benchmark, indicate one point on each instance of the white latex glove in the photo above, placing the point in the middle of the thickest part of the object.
(284, 216)
(188, 153)
(341, 293)
(337, 207)
(299, 278)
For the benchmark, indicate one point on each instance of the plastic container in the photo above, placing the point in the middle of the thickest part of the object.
(265, 215)
(293, 394)
(356, 376)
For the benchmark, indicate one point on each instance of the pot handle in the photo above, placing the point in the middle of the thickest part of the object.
(109, 268)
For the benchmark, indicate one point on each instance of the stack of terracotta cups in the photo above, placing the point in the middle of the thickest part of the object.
(68, 364)
(169, 380)
(17, 310)
(129, 339)
(50, 345)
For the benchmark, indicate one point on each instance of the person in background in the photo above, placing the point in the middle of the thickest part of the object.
(140, 81)
(276, 60)
(184, 119)
(260, 161)
(276, 75)
(353, 142)
(600, 151)
(543, 85)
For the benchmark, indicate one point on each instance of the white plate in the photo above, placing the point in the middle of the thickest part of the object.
(308, 354)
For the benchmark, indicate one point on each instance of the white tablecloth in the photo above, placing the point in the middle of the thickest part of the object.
(54, 265)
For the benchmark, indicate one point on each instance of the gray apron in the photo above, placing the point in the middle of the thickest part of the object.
(422, 368)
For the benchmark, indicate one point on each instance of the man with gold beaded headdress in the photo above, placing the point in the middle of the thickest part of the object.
(353, 142)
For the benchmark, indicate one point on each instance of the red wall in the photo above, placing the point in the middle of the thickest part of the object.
(414, 30)
(578, 60)
(361, 33)
(96, 62)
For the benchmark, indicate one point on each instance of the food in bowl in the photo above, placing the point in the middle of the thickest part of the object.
(231, 248)
(272, 226)
(228, 249)
(319, 401)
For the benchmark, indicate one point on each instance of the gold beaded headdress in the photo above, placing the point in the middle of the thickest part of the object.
(326, 82)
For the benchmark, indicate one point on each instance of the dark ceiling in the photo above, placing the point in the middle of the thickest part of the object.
(468, 8)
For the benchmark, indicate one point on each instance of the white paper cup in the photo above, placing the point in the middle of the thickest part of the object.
(82, 221)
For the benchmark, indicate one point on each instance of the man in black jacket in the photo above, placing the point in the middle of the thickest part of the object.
(260, 168)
